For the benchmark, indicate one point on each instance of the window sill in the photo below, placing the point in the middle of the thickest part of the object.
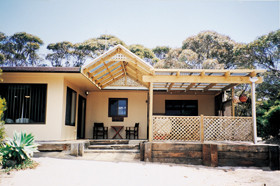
(25, 123)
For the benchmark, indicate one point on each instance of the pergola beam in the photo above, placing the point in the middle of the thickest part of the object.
(106, 71)
(97, 71)
(229, 86)
(190, 86)
(199, 79)
(111, 80)
(209, 86)
(108, 75)
(101, 60)
(130, 74)
(134, 60)
(211, 70)
(170, 86)
(114, 80)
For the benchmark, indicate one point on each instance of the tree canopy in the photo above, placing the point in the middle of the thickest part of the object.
(209, 45)
(61, 53)
(143, 52)
(20, 49)
(161, 51)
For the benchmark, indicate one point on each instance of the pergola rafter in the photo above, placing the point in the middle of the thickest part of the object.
(115, 64)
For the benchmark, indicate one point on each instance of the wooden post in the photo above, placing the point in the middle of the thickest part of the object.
(201, 129)
(254, 117)
(151, 112)
(232, 102)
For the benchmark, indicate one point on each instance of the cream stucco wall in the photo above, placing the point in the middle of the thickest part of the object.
(54, 127)
(97, 106)
(70, 132)
(51, 130)
(206, 103)
(97, 111)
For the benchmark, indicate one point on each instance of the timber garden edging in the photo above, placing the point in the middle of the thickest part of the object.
(212, 154)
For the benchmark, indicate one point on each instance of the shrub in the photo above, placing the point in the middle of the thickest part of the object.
(2, 128)
(27, 164)
(18, 150)
(272, 119)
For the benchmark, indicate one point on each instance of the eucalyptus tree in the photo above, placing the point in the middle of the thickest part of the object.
(265, 52)
(3, 39)
(101, 44)
(61, 53)
(173, 59)
(20, 49)
(212, 45)
(143, 52)
(93, 47)
(161, 51)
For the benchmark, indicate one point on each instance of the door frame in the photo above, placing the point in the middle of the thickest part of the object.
(81, 134)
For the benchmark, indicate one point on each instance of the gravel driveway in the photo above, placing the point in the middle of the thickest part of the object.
(59, 172)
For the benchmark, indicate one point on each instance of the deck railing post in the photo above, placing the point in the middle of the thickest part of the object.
(254, 118)
(151, 112)
(201, 129)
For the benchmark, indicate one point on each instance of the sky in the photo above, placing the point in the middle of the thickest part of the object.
(148, 22)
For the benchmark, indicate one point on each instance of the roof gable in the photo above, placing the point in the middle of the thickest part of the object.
(115, 64)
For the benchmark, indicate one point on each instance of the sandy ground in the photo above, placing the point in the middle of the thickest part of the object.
(54, 171)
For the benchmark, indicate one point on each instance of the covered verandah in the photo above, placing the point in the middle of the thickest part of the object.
(202, 128)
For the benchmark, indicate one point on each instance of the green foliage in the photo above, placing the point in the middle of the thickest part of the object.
(207, 50)
(19, 49)
(68, 54)
(173, 59)
(61, 53)
(2, 109)
(268, 117)
(272, 118)
(211, 45)
(2, 58)
(266, 51)
(99, 45)
(3, 39)
(161, 51)
(18, 150)
(27, 164)
(143, 52)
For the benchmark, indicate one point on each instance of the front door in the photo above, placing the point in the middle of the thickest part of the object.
(81, 117)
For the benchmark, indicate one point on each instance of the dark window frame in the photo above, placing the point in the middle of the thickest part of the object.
(69, 106)
(42, 106)
(109, 107)
(179, 107)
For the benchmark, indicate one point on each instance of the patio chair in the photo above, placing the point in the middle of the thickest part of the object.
(132, 131)
(100, 131)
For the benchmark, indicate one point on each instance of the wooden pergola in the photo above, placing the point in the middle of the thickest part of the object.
(202, 80)
(119, 63)
(115, 64)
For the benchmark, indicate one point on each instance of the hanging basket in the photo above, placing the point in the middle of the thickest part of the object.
(243, 98)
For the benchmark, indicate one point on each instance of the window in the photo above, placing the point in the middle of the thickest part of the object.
(181, 107)
(71, 97)
(26, 103)
(117, 107)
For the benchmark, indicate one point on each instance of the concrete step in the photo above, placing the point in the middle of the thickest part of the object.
(108, 142)
(115, 146)
(111, 151)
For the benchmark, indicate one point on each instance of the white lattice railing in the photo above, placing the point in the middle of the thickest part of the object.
(202, 128)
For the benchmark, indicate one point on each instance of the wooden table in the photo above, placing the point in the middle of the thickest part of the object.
(117, 129)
